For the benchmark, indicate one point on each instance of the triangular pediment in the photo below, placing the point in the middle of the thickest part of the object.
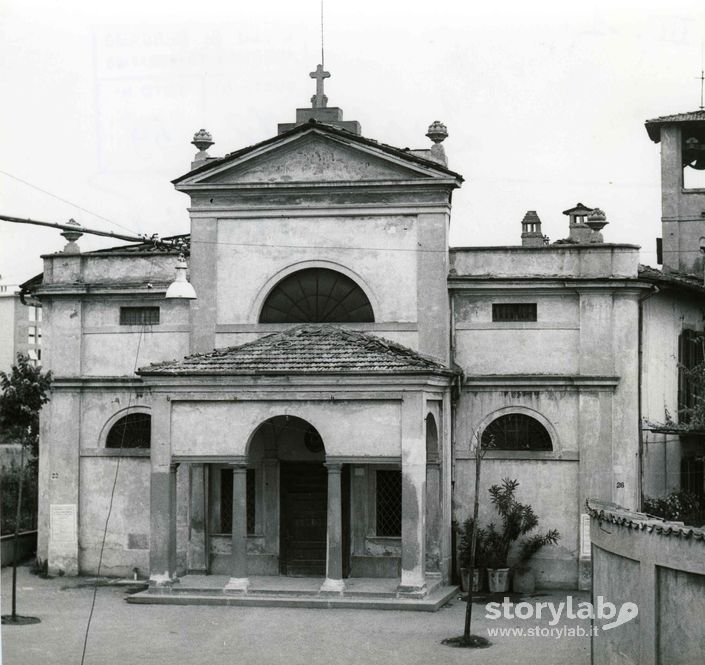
(314, 156)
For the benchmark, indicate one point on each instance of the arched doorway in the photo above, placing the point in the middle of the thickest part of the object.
(294, 447)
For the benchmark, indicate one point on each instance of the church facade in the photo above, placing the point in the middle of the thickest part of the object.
(313, 412)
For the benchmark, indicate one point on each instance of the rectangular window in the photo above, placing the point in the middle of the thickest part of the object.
(514, 311)
(139, 316)
(388, 503)
(226, 501)
(691, 352)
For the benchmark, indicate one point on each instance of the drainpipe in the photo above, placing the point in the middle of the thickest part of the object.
(640, 365)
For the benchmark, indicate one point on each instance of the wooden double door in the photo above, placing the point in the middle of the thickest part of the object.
(304, 517)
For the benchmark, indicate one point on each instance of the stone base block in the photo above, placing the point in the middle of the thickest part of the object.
(237, 585)
(332, 586)
(411, 591)
(585, 574)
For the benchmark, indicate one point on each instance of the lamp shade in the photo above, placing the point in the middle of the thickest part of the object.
(180, 287)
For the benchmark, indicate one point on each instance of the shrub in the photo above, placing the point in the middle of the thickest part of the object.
(8, 498)
(678, 506)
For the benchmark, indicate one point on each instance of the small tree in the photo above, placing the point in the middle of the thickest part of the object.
(24, 392)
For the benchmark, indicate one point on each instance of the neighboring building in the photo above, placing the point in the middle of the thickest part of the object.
(20, 327)
(308, 444)
(673, 451)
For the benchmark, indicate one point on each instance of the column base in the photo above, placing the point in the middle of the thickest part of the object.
(332, 586)
(237, 585)
(404, 591)
(162, 581)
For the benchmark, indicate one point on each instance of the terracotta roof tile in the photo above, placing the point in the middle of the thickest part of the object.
(653, 127)
(614, 514)
(305, 349)
(672, 279)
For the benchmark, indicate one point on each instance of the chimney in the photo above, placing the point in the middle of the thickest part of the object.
(531, 235)
(579, 231)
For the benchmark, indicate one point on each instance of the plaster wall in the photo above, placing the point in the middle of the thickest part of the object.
(127, 538)
(111, 349)
(548, 486)
(664, 575)
(251, 252)
(550, 261)
(348, 428)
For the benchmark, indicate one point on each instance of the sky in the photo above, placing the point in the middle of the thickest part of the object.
(544, 103)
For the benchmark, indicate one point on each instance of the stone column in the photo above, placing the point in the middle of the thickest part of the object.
(334, 559)
(162, 497)
(413, 495)
(239, 582)
(172, 518)
(270, 505)
(197, 559)
(433, 516)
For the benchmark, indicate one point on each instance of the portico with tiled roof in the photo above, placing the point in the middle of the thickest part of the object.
(269, 414)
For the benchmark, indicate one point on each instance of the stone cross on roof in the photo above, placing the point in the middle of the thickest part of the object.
(319, 100)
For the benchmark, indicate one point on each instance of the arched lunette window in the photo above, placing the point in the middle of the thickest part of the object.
(516, 431)
(316, 295)
(131, 431)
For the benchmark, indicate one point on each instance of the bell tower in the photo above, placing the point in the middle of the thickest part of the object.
(682, 138)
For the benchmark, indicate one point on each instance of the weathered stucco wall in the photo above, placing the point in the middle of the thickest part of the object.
(348, 428)
(347, 242)
(550, 261)
(660, 566)
(127, 538)
(574, 369)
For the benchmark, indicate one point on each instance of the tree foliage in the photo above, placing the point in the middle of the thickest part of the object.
(24, 392)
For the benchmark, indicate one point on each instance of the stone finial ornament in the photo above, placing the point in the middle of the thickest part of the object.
(438, 133)
(203, 140)
(596, 220)
(72, 236)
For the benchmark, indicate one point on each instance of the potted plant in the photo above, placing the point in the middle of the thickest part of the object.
(517, 520)
(464, 555)
(524, 580)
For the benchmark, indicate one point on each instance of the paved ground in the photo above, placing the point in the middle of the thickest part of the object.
(123, 634)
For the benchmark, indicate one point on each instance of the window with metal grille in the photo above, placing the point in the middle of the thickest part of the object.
(139, 316)
(226, 501)
(388, 504)
(316, 295)
(515, 431)
(691, 346)
(131, 431)
(514, 311)
(693, 475)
